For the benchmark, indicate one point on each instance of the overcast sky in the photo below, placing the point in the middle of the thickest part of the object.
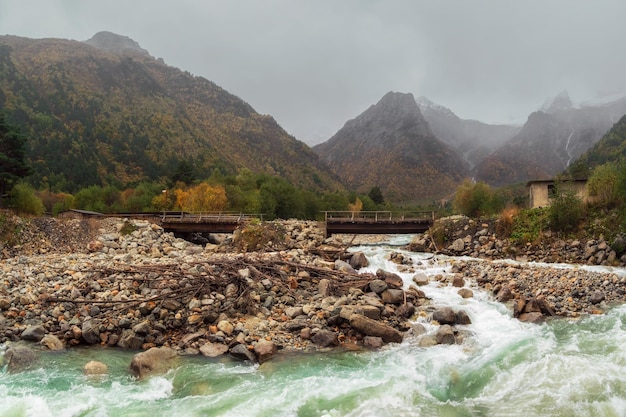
(315, 64)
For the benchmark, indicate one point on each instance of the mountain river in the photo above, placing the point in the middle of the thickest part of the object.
(562, 368)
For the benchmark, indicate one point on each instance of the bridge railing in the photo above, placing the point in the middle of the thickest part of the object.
(376, 216)
(217, 216)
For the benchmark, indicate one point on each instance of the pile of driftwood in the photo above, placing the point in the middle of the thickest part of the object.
(235, 277)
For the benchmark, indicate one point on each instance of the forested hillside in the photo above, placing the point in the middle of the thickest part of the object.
(105, 112)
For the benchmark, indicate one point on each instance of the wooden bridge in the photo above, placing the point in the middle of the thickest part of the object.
(219, 222)
(377, 222)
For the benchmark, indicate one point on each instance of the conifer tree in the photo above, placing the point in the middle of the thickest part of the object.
(13, 166)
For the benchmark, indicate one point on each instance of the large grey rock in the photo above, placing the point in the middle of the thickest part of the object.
(371, 327)
(393, 280)
(392, 296)
(458, 245)
(325, 338)
(20, 359)
(153, 360)
(91, 331)
(378, 285)
(358, 260)
(33, 333)
(420, 279)
(242, 353)
(444, 315)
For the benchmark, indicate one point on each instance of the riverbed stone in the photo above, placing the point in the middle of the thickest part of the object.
(378, 285)
(19, 359)
(95, 368)
(265, 350)
(52, 342)
(34, 333)
(392, 279)
(152, 361)
(241, 352)
(392, 296)
(213, 350)
(444, 315)
(325, 338)
(371, 327)
(445, 335)
(420, 279)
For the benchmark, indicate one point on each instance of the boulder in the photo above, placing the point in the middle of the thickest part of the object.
(465, 293)
(33, 333)
(91, 331)
(95, 368)
(378, 286)
(373, 342)
(264, 350)
(462, 317)
(325, 338)
(444, 315)
(52, 342)
(392, 296)
(371, 327)
(393, 280)
(242, 353)
(130, 340)
(534, 317)
(153, 360)
(213, 350)
(595, 298)
(19, 359)
(420, 279)
(445, 335)
(358, 260)
(458, 245)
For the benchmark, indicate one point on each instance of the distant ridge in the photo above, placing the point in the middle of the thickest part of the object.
(391, 145)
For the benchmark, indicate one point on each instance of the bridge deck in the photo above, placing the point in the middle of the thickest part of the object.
(377, 222)
(204, 222)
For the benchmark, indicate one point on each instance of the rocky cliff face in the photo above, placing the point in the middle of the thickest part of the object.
(391, 145)
(473, 140)
(549, 142)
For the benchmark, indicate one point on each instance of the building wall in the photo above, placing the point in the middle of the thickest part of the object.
(540, 192)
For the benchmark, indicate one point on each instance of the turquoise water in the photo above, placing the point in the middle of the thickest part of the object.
(505, 368)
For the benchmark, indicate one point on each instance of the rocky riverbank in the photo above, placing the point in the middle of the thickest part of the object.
(279, 287)
(266, 289)
(466, 237)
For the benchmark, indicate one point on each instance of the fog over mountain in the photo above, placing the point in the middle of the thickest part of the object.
(314, 65)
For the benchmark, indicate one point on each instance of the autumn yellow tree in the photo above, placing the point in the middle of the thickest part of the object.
(356, 206)
(202, 197)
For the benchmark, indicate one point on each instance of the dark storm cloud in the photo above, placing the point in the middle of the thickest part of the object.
(315, 64)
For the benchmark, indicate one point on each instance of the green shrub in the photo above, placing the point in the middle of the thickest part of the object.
(566, 211)
(476, 199)
(528, 225)
(25, 201)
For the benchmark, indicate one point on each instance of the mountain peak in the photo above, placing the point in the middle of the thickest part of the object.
(559, 103)
(115, 43)
(426, 105)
